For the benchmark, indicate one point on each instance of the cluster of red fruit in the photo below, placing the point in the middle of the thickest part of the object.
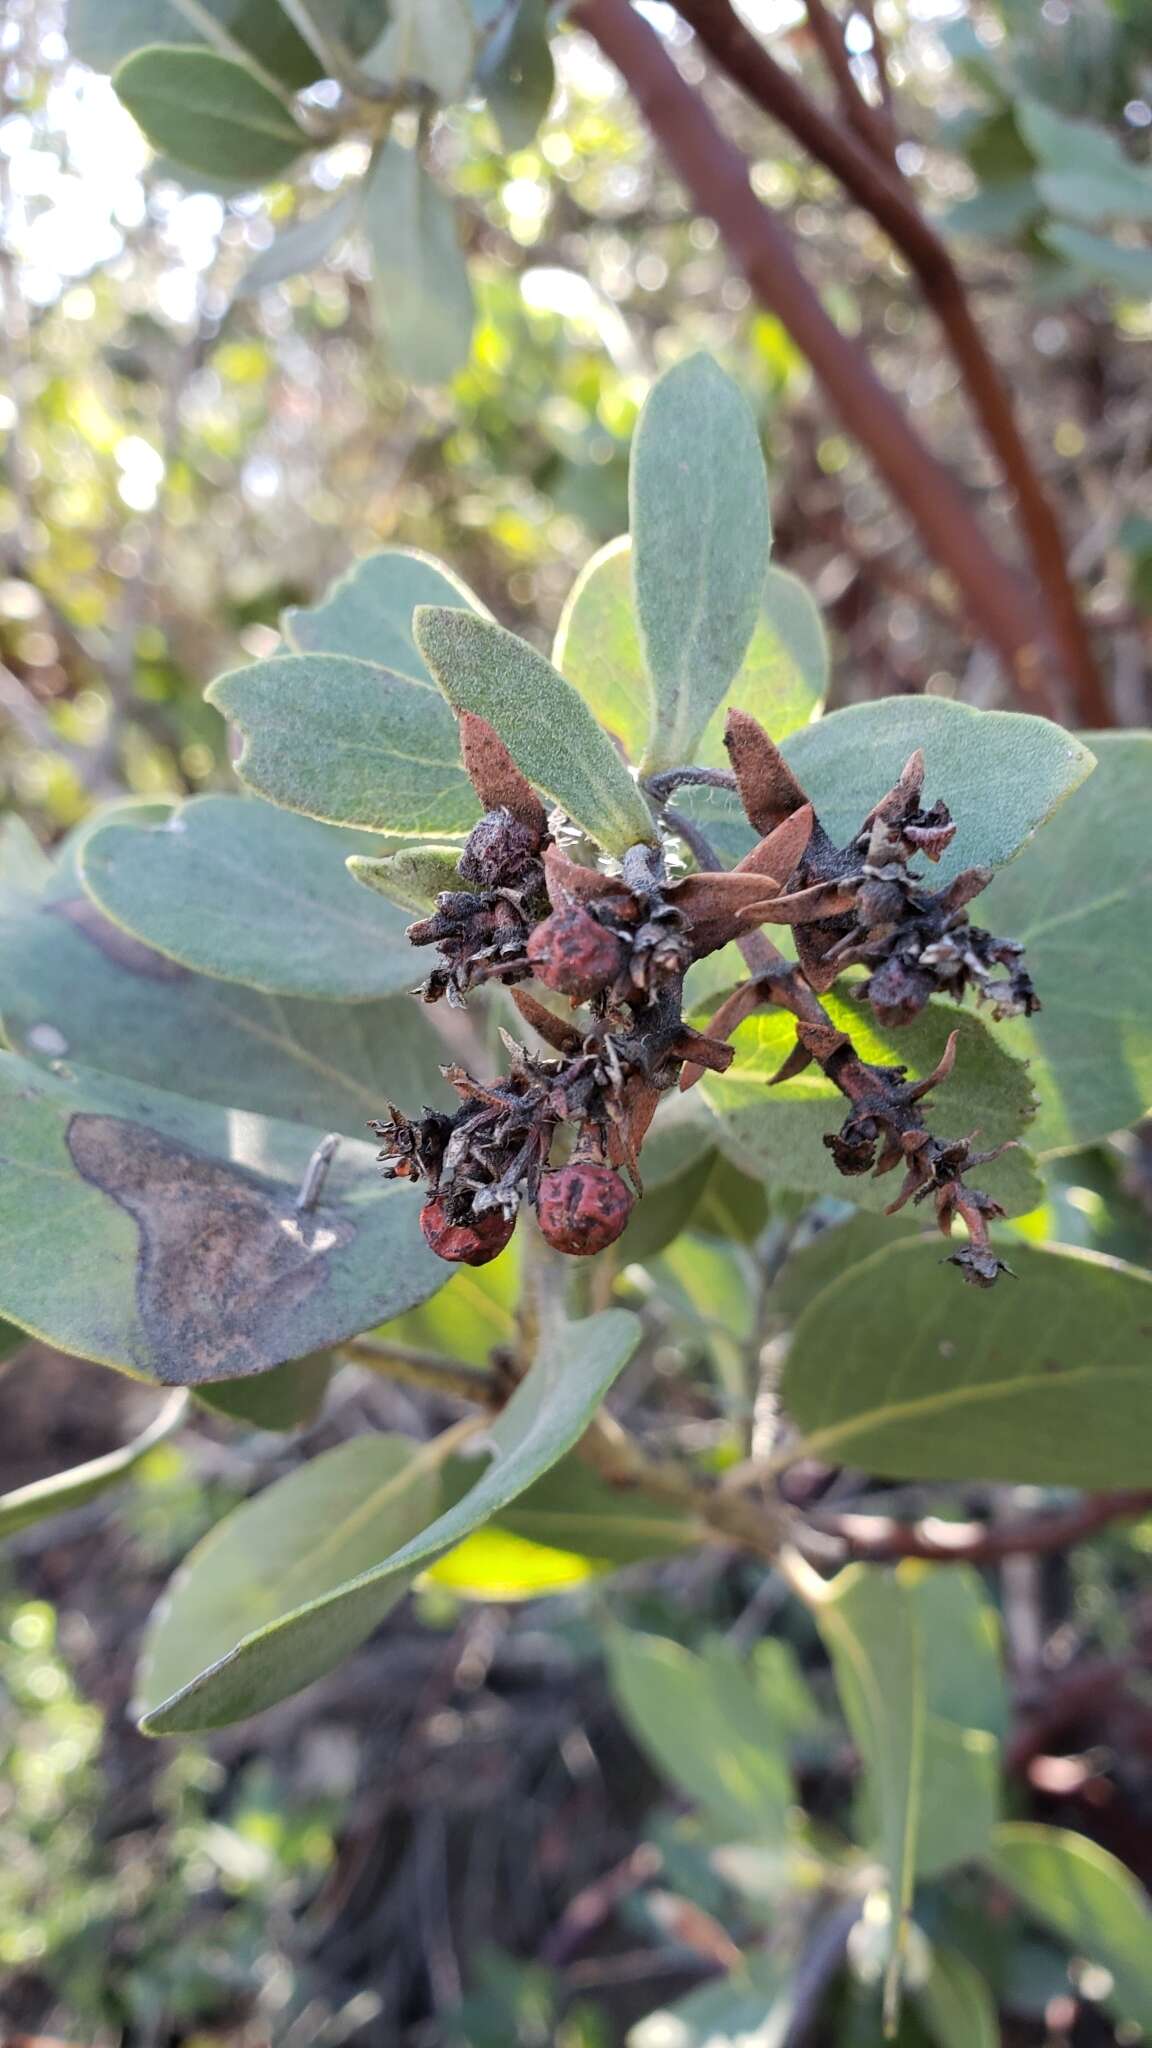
(618, 947)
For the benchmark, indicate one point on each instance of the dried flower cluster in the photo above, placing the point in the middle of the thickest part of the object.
(618, 948)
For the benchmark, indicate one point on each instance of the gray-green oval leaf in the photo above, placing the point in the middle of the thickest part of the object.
(367, 613)
(1046, 1380)
(319, 1528)
(76, 985)
(781, 680)
(209, 113)
(544, 1418)
(546, 726)
(701, 537)
(1001, 773)
(247, 892)
(348, 742)
(1080, 900)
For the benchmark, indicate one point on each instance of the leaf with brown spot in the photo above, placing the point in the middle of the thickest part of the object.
(161, 1235)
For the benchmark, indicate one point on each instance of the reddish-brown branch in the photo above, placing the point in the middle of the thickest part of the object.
(877, 1539)
(880, 63)
(716, 175)
(870, 123)
(875, 182)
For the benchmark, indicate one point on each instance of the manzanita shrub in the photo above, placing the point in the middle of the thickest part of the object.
(710, 1052)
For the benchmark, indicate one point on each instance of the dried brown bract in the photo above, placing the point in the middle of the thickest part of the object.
(618, 946)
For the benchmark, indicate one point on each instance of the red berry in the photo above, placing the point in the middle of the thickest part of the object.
(575, 954)
(582, 1209)
(470, 1244)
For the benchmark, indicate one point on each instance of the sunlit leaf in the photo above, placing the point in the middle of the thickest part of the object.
(210, 113)
(779, 1131)
(701, 537)
(545, 725)
(781, 680)
(348, 742)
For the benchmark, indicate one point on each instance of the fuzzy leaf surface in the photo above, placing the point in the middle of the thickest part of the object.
(781, 679)
(544, 723)
(348, 742)
(1001, 773)
(247, 892)
(367, 613)
(74, 984)
(701, 538)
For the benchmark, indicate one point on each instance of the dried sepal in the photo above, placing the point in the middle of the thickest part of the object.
(768, 789)
(781, 850)
(495, 777)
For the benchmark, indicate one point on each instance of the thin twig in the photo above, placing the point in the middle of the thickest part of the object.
(870, 123)
(413, 1367)
(877, 184)
(878, 1539)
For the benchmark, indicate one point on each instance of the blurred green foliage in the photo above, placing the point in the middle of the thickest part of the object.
(182, 1916)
